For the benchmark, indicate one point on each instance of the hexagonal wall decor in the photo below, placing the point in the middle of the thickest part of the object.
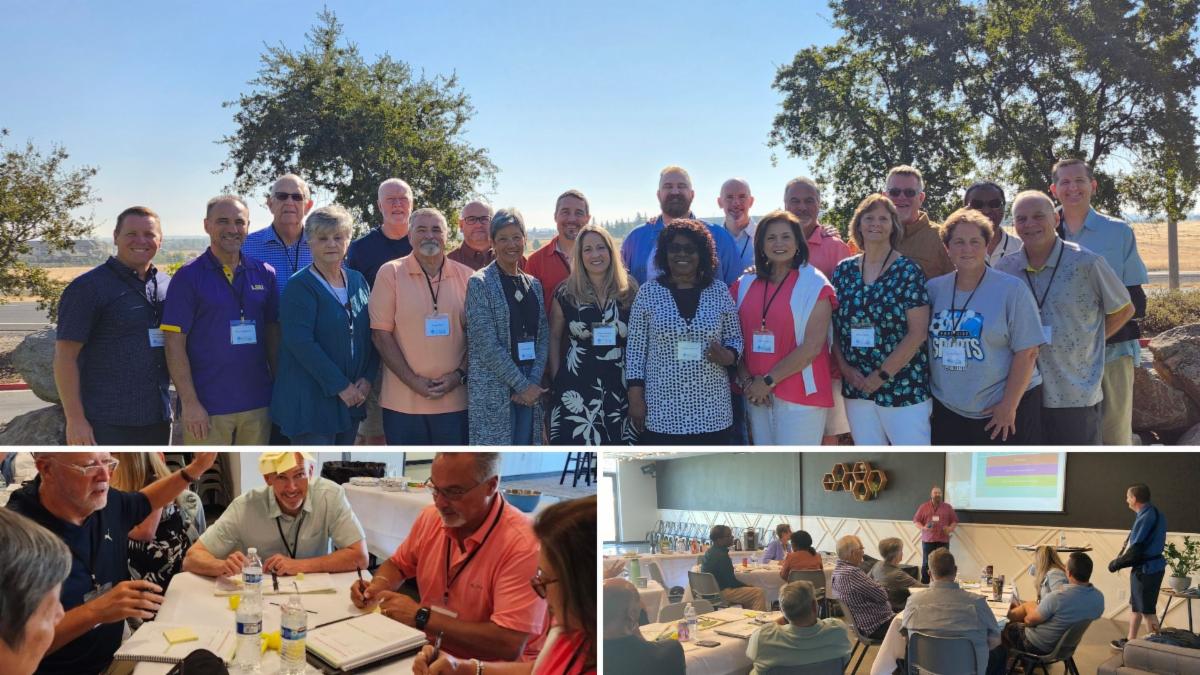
(830, 484)
(860, 471)
(860, 492)
(876, 481)
(863, 482)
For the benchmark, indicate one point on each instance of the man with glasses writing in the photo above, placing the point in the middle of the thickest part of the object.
(281, 244)
(920, 240)
(472, 556)
(71, 497)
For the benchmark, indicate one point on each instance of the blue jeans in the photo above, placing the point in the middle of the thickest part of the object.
(440, 429)
(522, 424)
(341, 438)
(741, 425)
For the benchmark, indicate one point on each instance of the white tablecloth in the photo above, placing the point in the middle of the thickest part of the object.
(728, 658)
(190, 602)
(895, 644)
(674, 566)
(765, 577)
(653, 598)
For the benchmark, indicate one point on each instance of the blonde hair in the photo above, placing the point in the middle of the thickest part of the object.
(907, 170)
(1045, 559)
(967, 216)
(137, 470)
(617, 282)
(674, 168)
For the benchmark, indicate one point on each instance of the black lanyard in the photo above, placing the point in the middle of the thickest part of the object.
(954, 295)
(746, 245)
(1029, 279)
(429, 282)
(97, 536)
(293, 266)
(151, 280)
(347, 307)
(295, 540)
(596, 297)
(767, 303)
(863, 270)
(525, 289)
(451, 579)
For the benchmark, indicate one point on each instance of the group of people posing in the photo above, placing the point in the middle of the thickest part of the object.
(768, 332)
(94, 539)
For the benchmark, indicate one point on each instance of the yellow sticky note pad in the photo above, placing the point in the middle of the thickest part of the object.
(299, 576)
(176, 635)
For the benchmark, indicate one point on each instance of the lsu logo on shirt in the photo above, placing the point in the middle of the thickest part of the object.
(258, 287)
(943, 332)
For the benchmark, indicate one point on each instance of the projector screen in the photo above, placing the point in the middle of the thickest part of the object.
(1006, 481)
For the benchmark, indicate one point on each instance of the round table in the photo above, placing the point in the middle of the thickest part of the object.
(653, 598)
(764, 576)
(674, 566)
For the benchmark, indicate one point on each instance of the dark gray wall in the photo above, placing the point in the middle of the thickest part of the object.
(736, 482)
(910, 475)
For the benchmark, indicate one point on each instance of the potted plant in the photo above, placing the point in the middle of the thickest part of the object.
(1183, 562)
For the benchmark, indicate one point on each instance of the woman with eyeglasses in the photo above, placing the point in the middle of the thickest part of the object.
(326, 359)
(880, 325)
(508, 340)
(566, 579)
(589, 326)
(683, 335)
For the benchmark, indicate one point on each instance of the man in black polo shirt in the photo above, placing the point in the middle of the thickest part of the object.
(109, 364)
(71, 498)
(716, 561)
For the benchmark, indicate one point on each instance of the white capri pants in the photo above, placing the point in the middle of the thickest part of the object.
(873, 424)
(786, 423)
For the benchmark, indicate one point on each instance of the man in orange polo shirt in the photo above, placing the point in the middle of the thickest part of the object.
(418, 324)
(551, 264)
(473, 556)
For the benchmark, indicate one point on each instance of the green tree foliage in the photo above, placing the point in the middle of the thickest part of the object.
(38, 198)
(345, 125)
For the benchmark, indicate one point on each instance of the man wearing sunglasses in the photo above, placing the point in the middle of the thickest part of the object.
(987, 198)
(282, 244)
(71, 497)
(920, 240)
(472, 556)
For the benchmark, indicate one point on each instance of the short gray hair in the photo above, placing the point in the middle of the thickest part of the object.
(326, 218)
(390, 182)
(487, 464)
(802, 180)
(798, 601)
(847, 544)
(225, 198)
(505, 217)
(428, 212)
(32, 562)
(890, 549)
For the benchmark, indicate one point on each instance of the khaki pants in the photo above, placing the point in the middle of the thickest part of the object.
(251, 427)
(1116, 410)
(750, 597)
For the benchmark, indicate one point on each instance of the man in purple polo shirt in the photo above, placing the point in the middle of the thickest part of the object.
(221, 324)
(937, 520)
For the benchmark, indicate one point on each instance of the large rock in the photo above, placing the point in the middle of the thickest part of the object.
(1190, 437)
(1157, 406)
(44, 426)
(34, 360)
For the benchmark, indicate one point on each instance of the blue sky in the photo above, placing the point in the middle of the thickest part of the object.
(595, 96)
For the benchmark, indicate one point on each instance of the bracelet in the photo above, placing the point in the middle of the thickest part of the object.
(186, 476)
(478, 666)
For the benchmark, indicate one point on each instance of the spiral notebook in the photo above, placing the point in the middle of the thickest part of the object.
(362, 640)
(169, 643)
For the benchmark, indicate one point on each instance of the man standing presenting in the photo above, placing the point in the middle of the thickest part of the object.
(675, 195)
(221, 326)
(735, 200)
(551, 264)
(1142, 553)
(921, 242)
(1112, 239)
(282, 244)
(937, 521)
(109, 364)
(476, 248)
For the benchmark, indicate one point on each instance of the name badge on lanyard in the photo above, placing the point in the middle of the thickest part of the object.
(156, 337)
(688, 350)
(954, 358)
(862, 337)
(437, 325)
(1047, 332)
(604, 335)
(97, 591)
(525, 349)
(242, 332)
(763, 342)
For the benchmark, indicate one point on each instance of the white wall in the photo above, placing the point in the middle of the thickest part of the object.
(637, 501)
(245, 468)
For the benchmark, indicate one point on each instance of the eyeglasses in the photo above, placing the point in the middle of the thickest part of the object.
(482, 220)
(685, 249)
(539, 584)
(979, 204)
(452, 494)
(907, 192)
(91, 470)
(284, 196)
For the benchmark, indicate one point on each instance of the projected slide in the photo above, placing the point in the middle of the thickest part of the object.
(1006, 481)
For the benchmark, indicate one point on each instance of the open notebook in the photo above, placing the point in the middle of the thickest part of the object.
(168, 643)
(317, 582)
(365, 639)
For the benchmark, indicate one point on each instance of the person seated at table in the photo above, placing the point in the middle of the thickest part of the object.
(798, 638)
(802, 557)
(298, 522)
(98, 596)
(866, 599)
(626, 650)
(945, 610)
(33, 564)
(716, 561)
(778, 549)
(1049, 572)
(889, 575)
(472, 555)
(1045, 622)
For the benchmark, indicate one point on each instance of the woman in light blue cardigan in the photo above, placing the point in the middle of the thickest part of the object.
(325, 355)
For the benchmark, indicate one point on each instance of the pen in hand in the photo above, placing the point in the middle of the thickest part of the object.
(362, 585)
(437, 647)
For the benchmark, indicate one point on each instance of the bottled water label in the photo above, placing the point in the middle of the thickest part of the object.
(251, 578)
(249, 627)
(292, 633)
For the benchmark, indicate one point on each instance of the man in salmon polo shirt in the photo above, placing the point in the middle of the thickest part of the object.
(937, 520)
(472, 555)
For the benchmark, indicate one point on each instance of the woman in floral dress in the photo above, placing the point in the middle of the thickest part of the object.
(589, 323)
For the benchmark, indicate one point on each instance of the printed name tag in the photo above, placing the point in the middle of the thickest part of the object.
(156, 337)
(604, 335)
(936, 519)
(242, 333)
(862, 337)
(954, 357)
(686, 350)
(525, 350)
(1046, 333)
(437, 325)
(763, 343)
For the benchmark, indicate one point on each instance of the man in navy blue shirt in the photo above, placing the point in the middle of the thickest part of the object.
(71, 498)
(1143, 553)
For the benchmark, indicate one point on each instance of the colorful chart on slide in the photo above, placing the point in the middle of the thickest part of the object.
(1006, 481)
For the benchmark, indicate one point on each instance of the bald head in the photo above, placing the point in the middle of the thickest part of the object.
(622, 606)
(1035, 221)
(474, 220)
(735, 200)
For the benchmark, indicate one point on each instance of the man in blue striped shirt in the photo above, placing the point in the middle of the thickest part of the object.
(281, 244)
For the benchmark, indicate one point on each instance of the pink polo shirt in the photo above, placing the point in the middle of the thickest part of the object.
(494, 584)
(826, 250)
(937, 533)
(400, 301)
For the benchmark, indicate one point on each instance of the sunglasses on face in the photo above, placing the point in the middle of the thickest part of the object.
(979, 204)
(907, 192)
(539, 584)
(284, 196)
(685, 249)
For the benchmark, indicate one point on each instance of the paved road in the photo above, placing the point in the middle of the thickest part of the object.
(13, 403)
(1185, 278)
(22, 316)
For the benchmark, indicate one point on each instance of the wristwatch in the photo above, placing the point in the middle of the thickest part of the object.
(462, 375)
(884, 375)
(770, 381)
(422, 618)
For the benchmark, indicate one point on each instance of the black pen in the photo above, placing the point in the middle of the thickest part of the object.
(275, 581)
(361, 584)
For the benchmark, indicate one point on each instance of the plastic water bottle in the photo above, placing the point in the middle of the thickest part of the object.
(690, 623)
(249, 616)
(1062, 539)
(293, 621)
